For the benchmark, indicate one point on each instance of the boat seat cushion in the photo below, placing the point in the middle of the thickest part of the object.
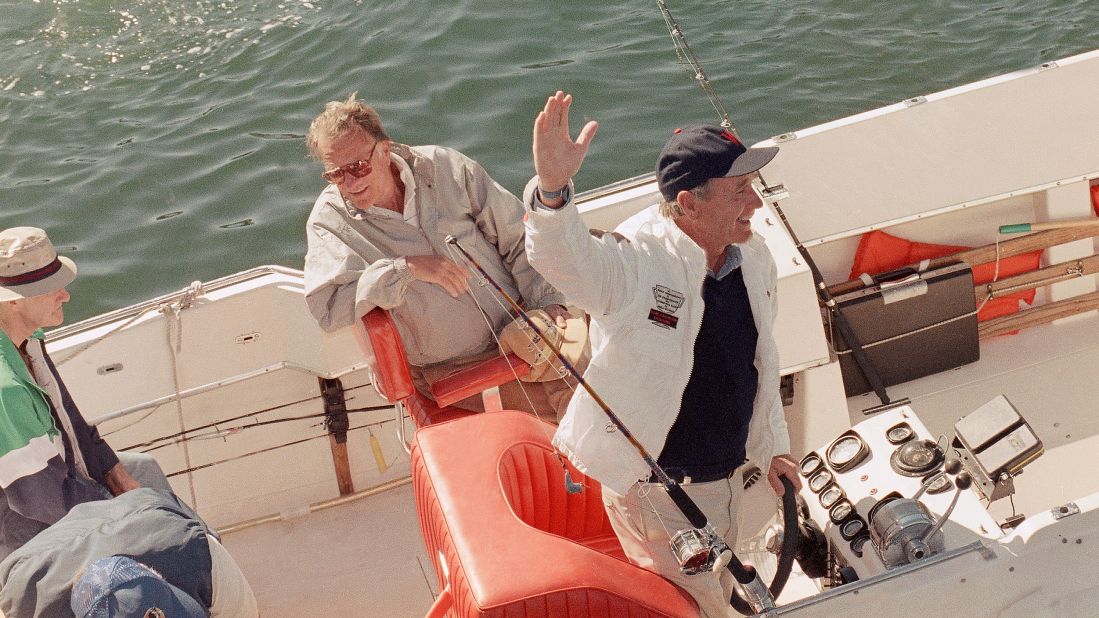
(494, 510)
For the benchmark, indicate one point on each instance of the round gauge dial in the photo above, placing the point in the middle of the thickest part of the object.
(829, 496)
(858, 543)
(819, 481)
(840, 512)
(810, 464)
(851, 528)
(917, 457)
(940, 483)
(847, 452)
(898, 433)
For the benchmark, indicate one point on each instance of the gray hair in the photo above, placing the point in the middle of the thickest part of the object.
(338, 117)
(671, 208)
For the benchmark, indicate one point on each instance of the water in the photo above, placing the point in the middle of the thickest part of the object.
(160, 142)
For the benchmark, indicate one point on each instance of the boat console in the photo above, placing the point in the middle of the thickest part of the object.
(887, 492)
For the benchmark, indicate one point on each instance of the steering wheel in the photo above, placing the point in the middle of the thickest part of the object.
(787, 553)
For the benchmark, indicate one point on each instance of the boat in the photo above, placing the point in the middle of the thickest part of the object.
(320, 474)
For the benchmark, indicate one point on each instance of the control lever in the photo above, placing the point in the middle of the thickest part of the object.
(962, 481)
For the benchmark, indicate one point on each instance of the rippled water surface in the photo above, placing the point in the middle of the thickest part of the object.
(161, 142)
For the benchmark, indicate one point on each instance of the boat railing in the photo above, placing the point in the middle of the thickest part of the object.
(104, 319)
(210, 386)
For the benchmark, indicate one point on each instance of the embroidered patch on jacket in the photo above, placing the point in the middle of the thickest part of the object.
(668, 301)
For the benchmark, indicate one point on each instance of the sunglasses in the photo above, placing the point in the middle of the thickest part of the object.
(356, 169)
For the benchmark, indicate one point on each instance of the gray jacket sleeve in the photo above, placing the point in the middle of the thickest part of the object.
(499, 216)
(340, 285)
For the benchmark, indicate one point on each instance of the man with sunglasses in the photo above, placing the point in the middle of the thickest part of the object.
(376, 239)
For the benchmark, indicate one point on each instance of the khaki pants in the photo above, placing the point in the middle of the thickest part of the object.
(645, 518)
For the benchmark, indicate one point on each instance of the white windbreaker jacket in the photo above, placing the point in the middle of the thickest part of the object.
(642, 288)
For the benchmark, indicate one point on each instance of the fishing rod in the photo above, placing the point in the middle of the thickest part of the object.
(699, 549)
(685, 54)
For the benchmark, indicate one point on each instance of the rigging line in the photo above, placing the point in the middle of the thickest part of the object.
(687, 56)
(209, 425)
(175, 438)
(257, 452)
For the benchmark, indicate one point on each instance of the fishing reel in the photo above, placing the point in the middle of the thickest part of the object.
(699, 551)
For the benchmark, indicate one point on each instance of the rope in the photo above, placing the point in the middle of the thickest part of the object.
(171, 313)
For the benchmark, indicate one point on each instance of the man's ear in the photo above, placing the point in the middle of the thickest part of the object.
(688, 202)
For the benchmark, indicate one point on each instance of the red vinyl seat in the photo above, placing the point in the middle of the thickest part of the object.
(393, 377)
(508, 540)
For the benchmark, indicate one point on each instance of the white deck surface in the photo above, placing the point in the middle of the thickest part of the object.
(364, 558)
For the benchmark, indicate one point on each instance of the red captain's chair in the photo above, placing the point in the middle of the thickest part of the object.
(506, 538)
(393, 378)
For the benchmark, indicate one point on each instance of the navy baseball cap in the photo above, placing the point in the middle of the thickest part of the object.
(697, 153)
(121, 587)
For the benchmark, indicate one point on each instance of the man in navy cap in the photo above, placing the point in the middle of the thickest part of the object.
(682, 299)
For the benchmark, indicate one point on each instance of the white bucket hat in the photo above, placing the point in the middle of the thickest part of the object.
(29, 264)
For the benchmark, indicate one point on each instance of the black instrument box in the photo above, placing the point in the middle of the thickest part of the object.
(916, 326)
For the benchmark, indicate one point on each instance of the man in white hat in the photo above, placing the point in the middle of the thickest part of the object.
(50, 458)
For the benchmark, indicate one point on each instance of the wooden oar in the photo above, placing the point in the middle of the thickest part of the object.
(1043, 314)
(1053, 273)
(1046, 225)
(988, 253)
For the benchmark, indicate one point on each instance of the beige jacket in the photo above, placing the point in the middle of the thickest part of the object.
(352, 265)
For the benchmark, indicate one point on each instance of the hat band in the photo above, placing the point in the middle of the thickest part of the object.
(33, 276)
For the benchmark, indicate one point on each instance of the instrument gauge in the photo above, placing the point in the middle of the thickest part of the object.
(840, 512)
(848, 451)
(810, 464)
(901, 432)
(830, 496)
(859, 543)
(938, 485)
(820, 480)
(852, 528)
(917, 457)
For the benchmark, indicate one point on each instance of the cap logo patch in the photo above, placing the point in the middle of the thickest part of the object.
(727, 134)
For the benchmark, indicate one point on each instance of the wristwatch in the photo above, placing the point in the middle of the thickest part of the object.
(562, 193)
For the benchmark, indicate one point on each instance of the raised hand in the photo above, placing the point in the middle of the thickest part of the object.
(440, 271)
(557, 157)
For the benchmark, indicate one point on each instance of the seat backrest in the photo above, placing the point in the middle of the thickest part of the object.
(508, 541)
(533, 483)
(383, 347)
